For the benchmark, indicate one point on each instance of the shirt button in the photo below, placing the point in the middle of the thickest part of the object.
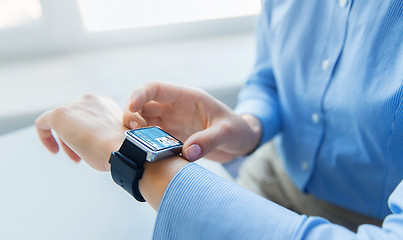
(315, 118)
(342, 3)
(304, 165)
(325, 64)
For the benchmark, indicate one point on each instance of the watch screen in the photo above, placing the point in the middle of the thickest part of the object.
(155, 138)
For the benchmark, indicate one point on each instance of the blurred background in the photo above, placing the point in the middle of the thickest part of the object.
(53, 52)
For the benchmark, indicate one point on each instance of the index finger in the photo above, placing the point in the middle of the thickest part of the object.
(159, 92)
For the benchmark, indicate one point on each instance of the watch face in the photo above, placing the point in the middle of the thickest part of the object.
(155, 138)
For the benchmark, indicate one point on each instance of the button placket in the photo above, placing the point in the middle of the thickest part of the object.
(325, 65)
(342, 3)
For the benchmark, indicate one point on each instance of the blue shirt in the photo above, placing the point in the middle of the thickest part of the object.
(328, 78)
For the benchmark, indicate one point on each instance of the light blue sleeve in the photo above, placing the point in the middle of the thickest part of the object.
(392, 227)
(259, 94)
(200, 205)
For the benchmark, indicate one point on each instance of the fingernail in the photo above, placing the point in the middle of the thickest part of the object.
(133, 125)
(193, 152)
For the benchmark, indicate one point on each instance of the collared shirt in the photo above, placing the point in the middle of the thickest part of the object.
(328, 79)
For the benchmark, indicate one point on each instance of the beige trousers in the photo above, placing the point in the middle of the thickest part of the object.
(264, 173)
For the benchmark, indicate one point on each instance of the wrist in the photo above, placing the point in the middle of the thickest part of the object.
(110, 145)
(253, 133)
(157, 176)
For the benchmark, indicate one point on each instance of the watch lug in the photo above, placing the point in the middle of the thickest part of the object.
(150, 157)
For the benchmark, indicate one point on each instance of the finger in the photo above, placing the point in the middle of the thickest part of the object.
(155, 122)
(203, 142)
(159, 92)
(44, 131)
(133, 120)
(150, 115)
(154, 109)
(72, 155)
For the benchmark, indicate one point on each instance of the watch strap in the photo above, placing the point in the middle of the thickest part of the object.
(127, 168)
(133, 152)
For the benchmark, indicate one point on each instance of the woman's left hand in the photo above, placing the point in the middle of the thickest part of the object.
(89, 129)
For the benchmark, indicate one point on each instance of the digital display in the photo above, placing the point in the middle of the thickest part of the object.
(155, 138)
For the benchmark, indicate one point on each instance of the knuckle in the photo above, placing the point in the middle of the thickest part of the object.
(89, 96)
(38, 121)
(152, 84)
(226, 128)
(60, 112)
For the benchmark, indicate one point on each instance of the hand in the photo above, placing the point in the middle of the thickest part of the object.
(206, 126)
(89, 129)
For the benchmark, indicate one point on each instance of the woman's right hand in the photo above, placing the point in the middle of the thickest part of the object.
(207, 127)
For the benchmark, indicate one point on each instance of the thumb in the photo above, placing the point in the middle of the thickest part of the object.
(201, 143)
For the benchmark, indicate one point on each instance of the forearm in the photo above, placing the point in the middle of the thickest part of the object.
(199, 205)
(157, 176)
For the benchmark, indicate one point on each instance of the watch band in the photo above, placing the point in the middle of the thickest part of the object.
(127, 168)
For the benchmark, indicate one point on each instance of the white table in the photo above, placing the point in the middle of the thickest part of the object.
(45, 196)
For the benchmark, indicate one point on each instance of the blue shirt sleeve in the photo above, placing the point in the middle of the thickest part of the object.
(200, 205)
(259, 94)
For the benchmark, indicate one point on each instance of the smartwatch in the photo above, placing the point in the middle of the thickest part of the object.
(140, 145)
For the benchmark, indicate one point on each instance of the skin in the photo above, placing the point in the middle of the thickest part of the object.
(196, 118)
(93, 127)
